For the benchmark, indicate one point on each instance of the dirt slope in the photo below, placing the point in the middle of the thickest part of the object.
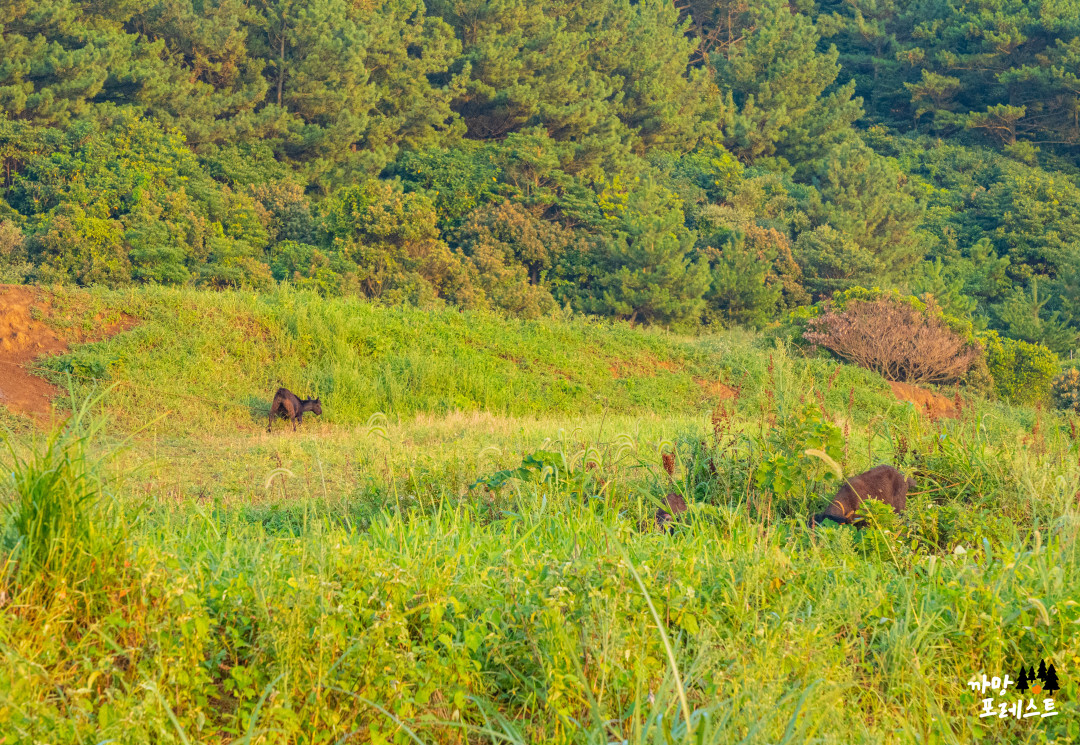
(932, 404)
(26, 334)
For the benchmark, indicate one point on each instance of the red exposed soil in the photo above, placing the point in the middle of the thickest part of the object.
(26, 335)
(716, 389)
(932, 404)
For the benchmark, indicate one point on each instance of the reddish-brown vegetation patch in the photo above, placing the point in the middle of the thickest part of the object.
(894, 339)
(26, 335)
(932, 404)
(644, 367)
(716, 389)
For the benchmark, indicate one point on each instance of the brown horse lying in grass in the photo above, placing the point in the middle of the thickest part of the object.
(883, 483)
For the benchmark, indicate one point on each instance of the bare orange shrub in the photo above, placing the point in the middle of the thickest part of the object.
(894, 339)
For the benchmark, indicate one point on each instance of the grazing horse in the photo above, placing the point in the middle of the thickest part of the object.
(287, 406)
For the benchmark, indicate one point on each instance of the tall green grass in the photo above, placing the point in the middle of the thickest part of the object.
(214, 361)
(62, 520)
(533, 628)
(346, 584)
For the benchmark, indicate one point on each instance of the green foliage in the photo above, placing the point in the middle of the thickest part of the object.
(947, 289)
(458, 180)
(740, 290)
(309, 267)
(519, 259)
(831, 261)
(648, 270)
(780, 100)
(1022, 372)
(70, 244)
(628, 87)
(1023, 316)
(362, 358)
(1001, 69)
(787, 467)
(812, 147)
(390, 239)
(345, 579)
(865, 197)
(541, 468)
(14, 268)
(126, 201)
(709, 168)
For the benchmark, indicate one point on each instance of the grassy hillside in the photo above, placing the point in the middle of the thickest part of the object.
(238, 348)
(232, 350)
(207, 582)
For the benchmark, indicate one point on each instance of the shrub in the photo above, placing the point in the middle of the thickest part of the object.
(927, 305)
(11, 240)
(791, 457)
(516, 255)
(1022, 372)
(72, 245)
(13, 265)
(391, 239)
(459, 179)
(1066, 390)
(897, 339)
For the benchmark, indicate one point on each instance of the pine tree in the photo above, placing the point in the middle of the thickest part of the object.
(528, 64)
(832, 261)
(662, 103)
(865, 33)
(1047, 85)
(58, 56)
(934, 94)
(198, 73)
(864, 196)
(1024, 316)
(946, 287)
(739, 292)
(1042, 673)
(717, 24)
(610, 76)
(648, 270)
(776, 81)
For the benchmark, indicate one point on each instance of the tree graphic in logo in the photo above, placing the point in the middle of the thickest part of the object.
(1051, 679)
(1043, 680)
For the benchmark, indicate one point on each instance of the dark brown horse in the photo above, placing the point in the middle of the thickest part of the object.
(287, 406)
(883, 483)
(675, 505)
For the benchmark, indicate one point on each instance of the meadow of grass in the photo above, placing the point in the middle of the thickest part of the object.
(171, 573)
(238, 348)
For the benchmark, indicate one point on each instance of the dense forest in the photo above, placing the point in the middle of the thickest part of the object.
(718, 162)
